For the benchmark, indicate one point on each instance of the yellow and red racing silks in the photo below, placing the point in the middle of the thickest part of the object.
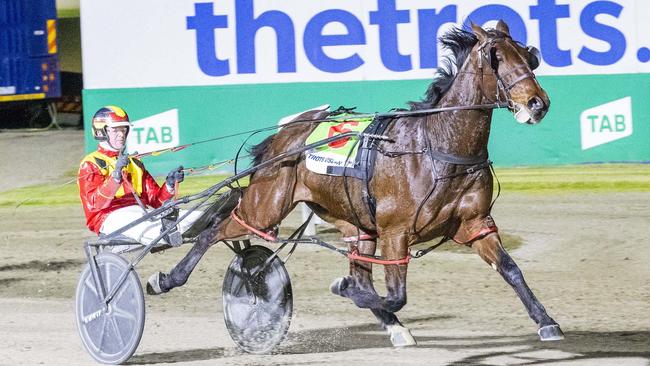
(101, 194)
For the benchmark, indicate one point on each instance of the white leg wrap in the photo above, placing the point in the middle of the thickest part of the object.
(154, 284)
(400, 336)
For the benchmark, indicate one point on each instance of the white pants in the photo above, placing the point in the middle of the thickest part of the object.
(144, 232)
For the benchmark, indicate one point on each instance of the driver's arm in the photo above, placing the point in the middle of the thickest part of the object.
(95, 189)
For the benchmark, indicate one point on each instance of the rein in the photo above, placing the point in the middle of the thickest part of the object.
(395, 114)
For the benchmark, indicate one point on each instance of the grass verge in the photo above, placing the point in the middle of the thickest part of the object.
(67, 192)
(576, 178)
(534, 180)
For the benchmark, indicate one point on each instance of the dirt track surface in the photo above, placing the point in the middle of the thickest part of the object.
(38, 157)
(584, 255)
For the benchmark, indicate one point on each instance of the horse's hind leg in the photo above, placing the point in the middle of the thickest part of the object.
(358, 285)
(359, 288)
(274, 192)
(160, 282)
(491, 250)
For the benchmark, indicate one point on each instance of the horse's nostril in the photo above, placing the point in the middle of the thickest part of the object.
(535, 103)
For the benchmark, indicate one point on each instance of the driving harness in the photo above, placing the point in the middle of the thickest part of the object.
(364, 161)
(366, 155)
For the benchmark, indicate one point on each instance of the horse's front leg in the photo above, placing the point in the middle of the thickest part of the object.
(395, 299)
(491, 250)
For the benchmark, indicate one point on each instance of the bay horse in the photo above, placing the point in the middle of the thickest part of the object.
(435, 183)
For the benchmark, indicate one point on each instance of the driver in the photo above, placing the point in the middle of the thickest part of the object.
(108, 179)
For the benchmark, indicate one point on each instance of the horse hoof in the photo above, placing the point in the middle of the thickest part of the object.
(400, 336)
(153, 284)
(339, 285)
(550, 333)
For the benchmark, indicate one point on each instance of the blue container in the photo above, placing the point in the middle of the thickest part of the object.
(29, 67)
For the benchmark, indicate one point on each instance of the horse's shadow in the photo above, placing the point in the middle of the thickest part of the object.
(529, 350)
(578, 345)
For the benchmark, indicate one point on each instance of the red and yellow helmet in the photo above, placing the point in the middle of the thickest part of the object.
(109, 116)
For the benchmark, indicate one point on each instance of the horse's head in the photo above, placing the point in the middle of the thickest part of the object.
(513, 66)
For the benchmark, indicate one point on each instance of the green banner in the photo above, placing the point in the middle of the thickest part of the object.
(593, 118)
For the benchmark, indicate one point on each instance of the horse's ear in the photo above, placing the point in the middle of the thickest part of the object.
(479, 32)
(503, 27)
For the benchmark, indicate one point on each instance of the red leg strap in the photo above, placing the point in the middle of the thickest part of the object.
(270, 236)
(487, 227)
(355, 256)
(481, 234)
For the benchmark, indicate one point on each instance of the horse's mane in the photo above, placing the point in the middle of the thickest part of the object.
(257, 151)
(460, 42)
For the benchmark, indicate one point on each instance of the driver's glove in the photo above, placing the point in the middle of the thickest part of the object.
(121, 162)
(176, 175)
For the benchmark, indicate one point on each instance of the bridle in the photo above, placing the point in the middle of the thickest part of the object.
(487, 51)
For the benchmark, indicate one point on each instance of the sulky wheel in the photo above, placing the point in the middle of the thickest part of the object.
(257, 300)
(110, 334)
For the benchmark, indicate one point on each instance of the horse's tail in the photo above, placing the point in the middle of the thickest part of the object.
(215, 212)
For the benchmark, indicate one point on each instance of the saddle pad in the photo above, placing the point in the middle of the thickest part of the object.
(340, 153)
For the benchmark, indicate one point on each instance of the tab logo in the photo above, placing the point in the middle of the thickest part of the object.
(156, 132)
(606, 123)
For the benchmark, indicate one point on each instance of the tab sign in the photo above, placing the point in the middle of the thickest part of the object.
(606, 123)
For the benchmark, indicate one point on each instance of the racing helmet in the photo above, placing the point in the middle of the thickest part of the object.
(109, 116)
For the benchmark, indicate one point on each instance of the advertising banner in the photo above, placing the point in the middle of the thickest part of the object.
(213, 68)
